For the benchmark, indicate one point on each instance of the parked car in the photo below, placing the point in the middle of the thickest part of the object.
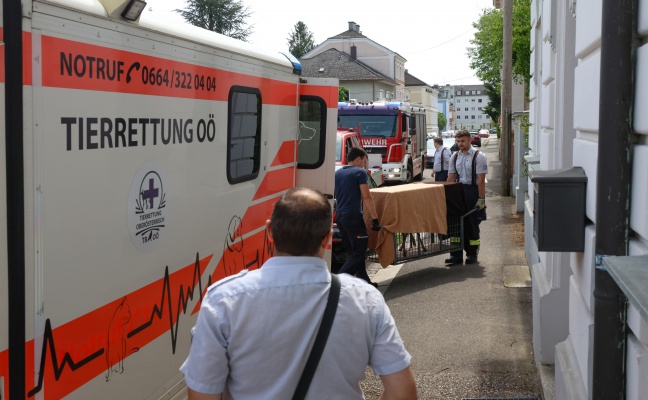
(429, 158)
(449, 142)
(483, 133)
(476, 139)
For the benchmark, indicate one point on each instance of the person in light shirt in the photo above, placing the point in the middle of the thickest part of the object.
(469, 166)
(255, 329)
(441, 160)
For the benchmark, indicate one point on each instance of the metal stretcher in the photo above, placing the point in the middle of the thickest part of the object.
(417, 245)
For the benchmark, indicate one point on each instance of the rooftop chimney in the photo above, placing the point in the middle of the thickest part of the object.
(352, 26)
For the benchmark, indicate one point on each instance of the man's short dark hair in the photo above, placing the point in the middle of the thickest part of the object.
(299, 222)
(462, 133)
(438, 141)
(356, 152)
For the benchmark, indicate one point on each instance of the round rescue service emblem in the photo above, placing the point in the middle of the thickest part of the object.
(148, 206)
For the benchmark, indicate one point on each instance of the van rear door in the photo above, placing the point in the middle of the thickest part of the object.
(316, 139)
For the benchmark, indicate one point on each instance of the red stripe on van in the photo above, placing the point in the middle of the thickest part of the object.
(76, 65)
(253, 252)
(4, 372)
(328, 93)
(255, 216)
(276, 181)
(27, 58)
(84, 348)
(287, 153)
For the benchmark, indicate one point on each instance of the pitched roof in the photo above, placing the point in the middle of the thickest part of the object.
(351, 34)
(469, 87)
(411, 80)
(337, 64)
(348, 35)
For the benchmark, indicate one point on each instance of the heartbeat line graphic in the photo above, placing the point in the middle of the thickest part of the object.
(182, 303)
(48, 341)
(185, 295)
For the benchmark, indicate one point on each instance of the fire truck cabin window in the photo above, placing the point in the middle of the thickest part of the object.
(243, 134)
(377, 126)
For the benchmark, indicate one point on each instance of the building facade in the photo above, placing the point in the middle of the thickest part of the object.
(570, 115)
(364, 83)
(446, 105)
(421, 93)
(377, 58)
(469, 101)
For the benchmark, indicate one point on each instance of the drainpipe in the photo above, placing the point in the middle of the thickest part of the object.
(12, 26)
(618, 48)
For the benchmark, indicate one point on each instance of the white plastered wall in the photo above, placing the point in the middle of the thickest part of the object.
(574, 356)
(551, 142)
(637, 346)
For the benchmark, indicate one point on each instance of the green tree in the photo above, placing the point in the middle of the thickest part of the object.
(493, 91)
(486, 54)
(486, 51)
(301, 40)
(343, 94)
(226, 17)
(521, 41)
(442, 122)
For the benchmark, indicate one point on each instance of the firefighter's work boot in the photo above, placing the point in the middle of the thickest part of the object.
(471, 259)
(454, 260)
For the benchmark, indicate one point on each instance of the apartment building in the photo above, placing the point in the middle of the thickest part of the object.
(469, 101)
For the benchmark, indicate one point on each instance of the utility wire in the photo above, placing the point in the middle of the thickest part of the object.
(458, 79)
(441, 44)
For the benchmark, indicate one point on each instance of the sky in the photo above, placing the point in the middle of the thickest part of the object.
(432, 35)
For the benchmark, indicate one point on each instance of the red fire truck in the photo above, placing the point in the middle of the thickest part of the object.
(395, 130)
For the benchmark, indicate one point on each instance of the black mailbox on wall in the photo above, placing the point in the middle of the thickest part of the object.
(559, 209)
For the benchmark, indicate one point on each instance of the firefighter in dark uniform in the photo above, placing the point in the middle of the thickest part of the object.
(469, 166)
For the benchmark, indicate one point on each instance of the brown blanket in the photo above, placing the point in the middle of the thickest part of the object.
(408, 208)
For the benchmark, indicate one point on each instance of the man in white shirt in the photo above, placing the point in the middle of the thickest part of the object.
(441, 160)
(255, 329)
(469, 166)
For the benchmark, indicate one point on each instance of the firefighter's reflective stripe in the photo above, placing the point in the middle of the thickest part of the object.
(474, 242)
(455, 239)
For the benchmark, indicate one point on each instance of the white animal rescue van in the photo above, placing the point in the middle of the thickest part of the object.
(139, 161)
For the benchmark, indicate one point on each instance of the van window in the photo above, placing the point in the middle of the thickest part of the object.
(243, 134)
(312, 132)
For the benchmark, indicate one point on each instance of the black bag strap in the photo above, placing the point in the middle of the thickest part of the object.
(320, 339)
(474, 168)
(442, 150)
